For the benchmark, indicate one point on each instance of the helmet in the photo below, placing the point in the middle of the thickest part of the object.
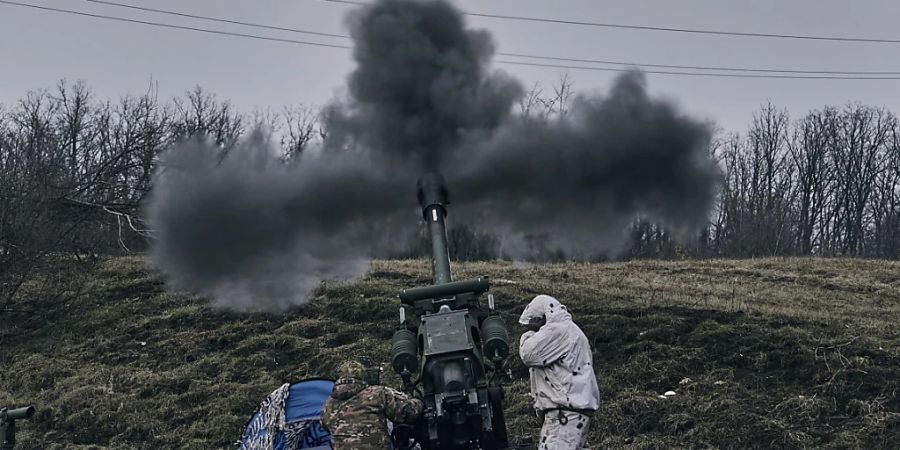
(373, 370)
(352, 369)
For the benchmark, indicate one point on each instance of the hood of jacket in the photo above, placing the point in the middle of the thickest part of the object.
(547, 307)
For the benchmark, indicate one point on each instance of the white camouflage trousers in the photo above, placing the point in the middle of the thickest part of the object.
(564, 430)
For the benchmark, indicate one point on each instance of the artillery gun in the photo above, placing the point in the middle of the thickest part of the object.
(453, 344)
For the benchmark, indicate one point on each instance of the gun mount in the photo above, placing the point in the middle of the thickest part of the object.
(8, 418)
(454, 345)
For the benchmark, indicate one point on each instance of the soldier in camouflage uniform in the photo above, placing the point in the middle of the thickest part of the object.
(356, 412)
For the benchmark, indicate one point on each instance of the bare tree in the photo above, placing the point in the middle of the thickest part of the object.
(733, 230)
(534, 105)
(885, 239)
(771, 181)
(73, 173)
(858, 160)
(201, 113)
(814, 138)
(302, 128)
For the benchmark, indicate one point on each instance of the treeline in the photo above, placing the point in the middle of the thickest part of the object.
(827, 184)
(75, 171)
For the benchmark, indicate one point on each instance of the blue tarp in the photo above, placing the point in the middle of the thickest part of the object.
(306, 399)
(302, 409)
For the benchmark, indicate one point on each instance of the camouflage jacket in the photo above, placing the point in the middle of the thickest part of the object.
(355, 414)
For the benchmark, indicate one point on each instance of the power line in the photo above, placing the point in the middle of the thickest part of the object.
(673, 66)
(667, 29)
(562, 66)
(515, 55)
(217, 19)
(702, 74)
(168, 25)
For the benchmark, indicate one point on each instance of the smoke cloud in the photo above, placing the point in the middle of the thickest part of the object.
(573, 185)
(422, 84)
(256, 234)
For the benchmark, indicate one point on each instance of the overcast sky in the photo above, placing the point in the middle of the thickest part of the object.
(37, 48)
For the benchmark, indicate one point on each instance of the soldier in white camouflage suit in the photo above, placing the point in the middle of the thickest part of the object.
(563, 383)
(356, 414)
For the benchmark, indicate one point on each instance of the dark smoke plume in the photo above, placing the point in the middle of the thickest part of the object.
(422, 84)
(257, 234)
(574, 185)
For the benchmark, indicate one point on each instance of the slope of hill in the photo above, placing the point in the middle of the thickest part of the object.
(794, 353)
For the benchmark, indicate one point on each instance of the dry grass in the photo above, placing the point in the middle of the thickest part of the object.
(795, 353)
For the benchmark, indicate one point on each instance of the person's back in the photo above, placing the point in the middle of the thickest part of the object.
(356, 413)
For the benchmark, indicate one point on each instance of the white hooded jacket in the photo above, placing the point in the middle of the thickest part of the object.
(559, 358)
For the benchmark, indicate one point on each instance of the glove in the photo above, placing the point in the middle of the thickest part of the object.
(535, 324)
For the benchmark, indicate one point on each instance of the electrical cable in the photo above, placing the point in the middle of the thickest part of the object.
(654, 28)
(514, 55)
(507, 62)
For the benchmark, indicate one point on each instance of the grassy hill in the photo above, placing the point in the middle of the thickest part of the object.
(793, 353)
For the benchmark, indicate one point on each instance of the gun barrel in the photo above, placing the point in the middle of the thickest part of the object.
(19, 413)
(432, 193)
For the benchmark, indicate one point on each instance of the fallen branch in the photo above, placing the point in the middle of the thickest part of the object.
(129, 219)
